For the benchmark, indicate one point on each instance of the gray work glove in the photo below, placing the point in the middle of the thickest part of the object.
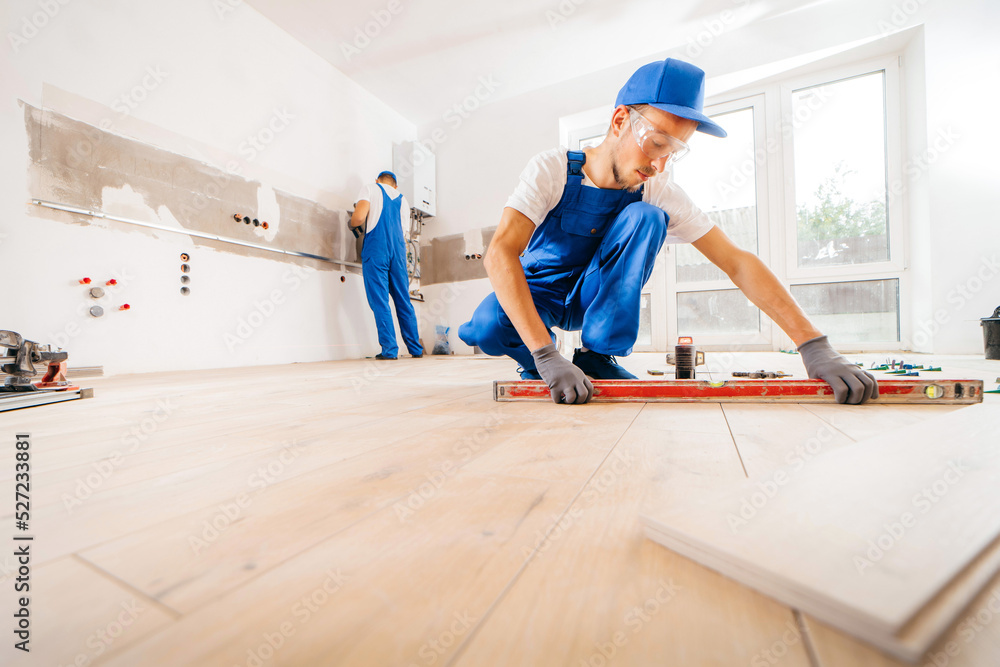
(850, 383)
(567, 383)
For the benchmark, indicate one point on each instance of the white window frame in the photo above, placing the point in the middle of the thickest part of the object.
(582, 134)
(776, 218)
(895, 266)
(896, 229)
(762, 339)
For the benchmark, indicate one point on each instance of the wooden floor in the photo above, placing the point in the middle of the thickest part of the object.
(390, 513)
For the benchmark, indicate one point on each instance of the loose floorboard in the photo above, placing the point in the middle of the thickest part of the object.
(805, 534)
(418, 522)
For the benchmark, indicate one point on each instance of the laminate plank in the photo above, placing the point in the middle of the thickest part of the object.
(860, 422)
(114, 510)
(772, 436)
(972, 641)
(811, 551)
(395, 593)
(598, 592)
(188, 560)
(526, 530)
(79, 615)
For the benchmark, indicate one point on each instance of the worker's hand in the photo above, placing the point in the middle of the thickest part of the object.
(354, 230)
(850, 383)
(566, 382)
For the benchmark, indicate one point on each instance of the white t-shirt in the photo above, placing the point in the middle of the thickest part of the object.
(544, 179)
(373, 195)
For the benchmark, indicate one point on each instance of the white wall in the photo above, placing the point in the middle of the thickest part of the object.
(478, 164)
(963, 58)
(955, 232)
(449, 305)
(221, 72)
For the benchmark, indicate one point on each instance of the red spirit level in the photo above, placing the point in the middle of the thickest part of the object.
(936, 392)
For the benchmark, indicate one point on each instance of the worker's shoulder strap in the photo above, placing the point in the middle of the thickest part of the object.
(574, 166)
(399, 197)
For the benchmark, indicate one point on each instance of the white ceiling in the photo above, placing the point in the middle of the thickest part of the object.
(432, 54)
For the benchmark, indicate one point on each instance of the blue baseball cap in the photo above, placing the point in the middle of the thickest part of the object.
(387, 173)
(673, 86)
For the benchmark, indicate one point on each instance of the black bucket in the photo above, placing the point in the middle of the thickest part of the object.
(991, 334)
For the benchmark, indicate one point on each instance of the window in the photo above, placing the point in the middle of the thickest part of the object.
(827, 145)
(645, 338)
(843, 250)
(721, 176)
(716, 312)
(853, 312)
(840, 172)
(803, 182)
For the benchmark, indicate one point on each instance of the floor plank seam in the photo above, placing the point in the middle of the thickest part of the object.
(167, 447)
(170, 611)
(388, 504)
(378, 509)
(733, 437)
(259, 573)
(534, 552)
(513, 476)
(807, 640)
(278, 446)
(337, 463)
(828, 422)
(96, 545)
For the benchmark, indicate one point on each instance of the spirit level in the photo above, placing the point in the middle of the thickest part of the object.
(936, 392)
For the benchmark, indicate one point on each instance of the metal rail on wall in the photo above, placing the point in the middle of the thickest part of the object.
(186, 232)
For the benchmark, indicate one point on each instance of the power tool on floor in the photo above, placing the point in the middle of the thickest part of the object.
(18, 360)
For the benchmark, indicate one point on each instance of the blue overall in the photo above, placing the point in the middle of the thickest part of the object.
(383, 265)
(585, 264)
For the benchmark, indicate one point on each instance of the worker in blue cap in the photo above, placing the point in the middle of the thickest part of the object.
(579, 237)
(385, 212)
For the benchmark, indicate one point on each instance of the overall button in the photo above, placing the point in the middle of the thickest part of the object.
(593, 231)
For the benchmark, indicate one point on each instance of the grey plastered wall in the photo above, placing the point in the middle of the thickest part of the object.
(71, 162)
(443, 259)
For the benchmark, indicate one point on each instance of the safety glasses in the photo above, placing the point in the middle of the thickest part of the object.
(655, 144)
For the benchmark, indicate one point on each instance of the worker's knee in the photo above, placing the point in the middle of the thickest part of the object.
(489, 329)
(467, 334)
(645, 219)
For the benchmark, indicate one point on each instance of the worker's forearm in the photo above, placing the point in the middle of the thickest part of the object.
(511, 287)
(764, 289)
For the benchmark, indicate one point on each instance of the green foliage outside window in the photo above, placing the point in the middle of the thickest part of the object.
(837, 216)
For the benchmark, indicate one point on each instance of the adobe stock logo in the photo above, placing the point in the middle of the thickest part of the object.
(363, 35)
(126, 103)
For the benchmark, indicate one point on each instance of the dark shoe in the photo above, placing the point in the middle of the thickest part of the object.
(529, 375)
(417, 356)
(384, 358)
(600, 366)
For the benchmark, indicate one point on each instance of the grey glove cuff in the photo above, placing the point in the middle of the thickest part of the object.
(819, 357)
(545, 354)
(816, 349)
